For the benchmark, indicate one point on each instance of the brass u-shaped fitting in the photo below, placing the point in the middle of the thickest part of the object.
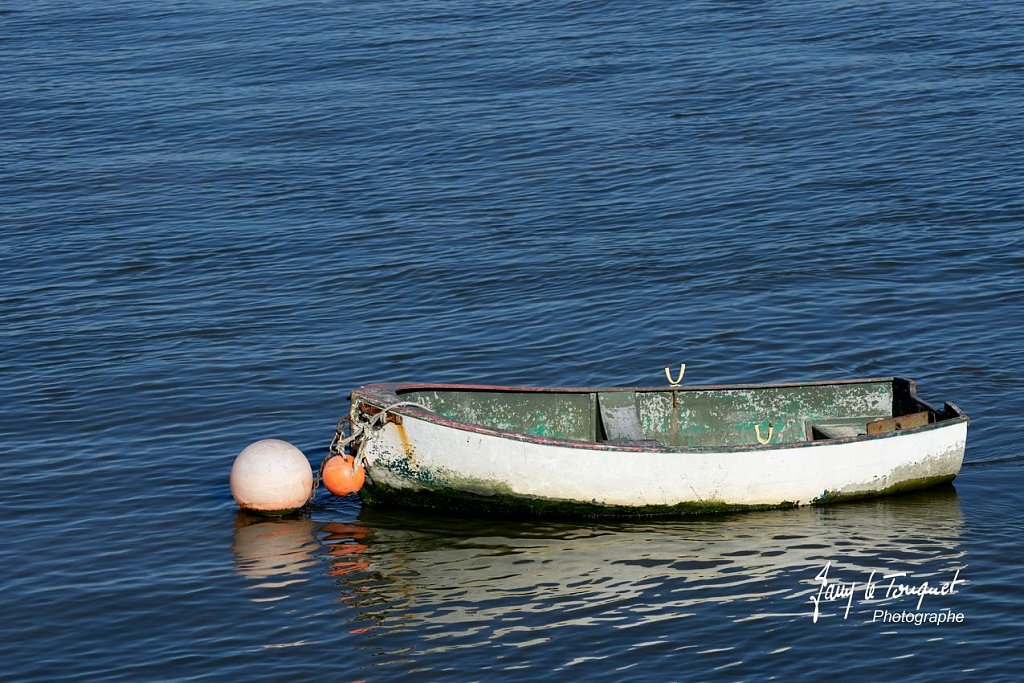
(675, 382)
(771, 432)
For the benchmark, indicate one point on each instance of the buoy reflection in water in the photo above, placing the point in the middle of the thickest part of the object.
(344, 542)
(437, 584)
(273, 548)
(432, 570)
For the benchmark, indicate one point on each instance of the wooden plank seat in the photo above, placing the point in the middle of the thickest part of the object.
(838, 428)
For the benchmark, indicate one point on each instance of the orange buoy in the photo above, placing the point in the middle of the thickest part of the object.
(339, 477)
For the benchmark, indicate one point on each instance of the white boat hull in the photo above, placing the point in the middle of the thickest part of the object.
(420, 459)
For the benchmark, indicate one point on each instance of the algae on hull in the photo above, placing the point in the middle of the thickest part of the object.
(830, 497)
(510, 505)
(469, 466)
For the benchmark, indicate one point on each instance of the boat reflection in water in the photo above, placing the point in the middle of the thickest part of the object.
(436, 584)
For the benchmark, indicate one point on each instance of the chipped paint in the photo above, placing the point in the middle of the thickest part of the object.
(467, 454)
(557, 416)
(722, 418)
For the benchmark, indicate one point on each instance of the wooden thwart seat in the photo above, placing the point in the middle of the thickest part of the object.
(838, 428)
(892, 424)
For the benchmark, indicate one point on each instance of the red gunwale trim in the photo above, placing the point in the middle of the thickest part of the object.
(385, 394)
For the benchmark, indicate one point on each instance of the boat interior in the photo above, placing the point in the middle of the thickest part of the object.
(690, 416)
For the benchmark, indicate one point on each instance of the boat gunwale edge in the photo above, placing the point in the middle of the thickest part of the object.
(385, 394)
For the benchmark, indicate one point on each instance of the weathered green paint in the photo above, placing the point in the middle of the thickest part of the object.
(553, 415)
(507, 504)
(830, 497)
(684, 417)
(672, 421)
(728, 418)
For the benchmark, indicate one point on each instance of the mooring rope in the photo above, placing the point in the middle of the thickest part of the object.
(356, 430)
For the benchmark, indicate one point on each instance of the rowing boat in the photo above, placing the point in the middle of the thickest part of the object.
(633, 451)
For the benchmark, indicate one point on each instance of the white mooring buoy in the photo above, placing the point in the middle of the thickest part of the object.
(271, 477)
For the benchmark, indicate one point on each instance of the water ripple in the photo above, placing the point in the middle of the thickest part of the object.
(217, 220)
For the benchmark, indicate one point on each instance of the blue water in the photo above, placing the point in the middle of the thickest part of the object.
(216, 218)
